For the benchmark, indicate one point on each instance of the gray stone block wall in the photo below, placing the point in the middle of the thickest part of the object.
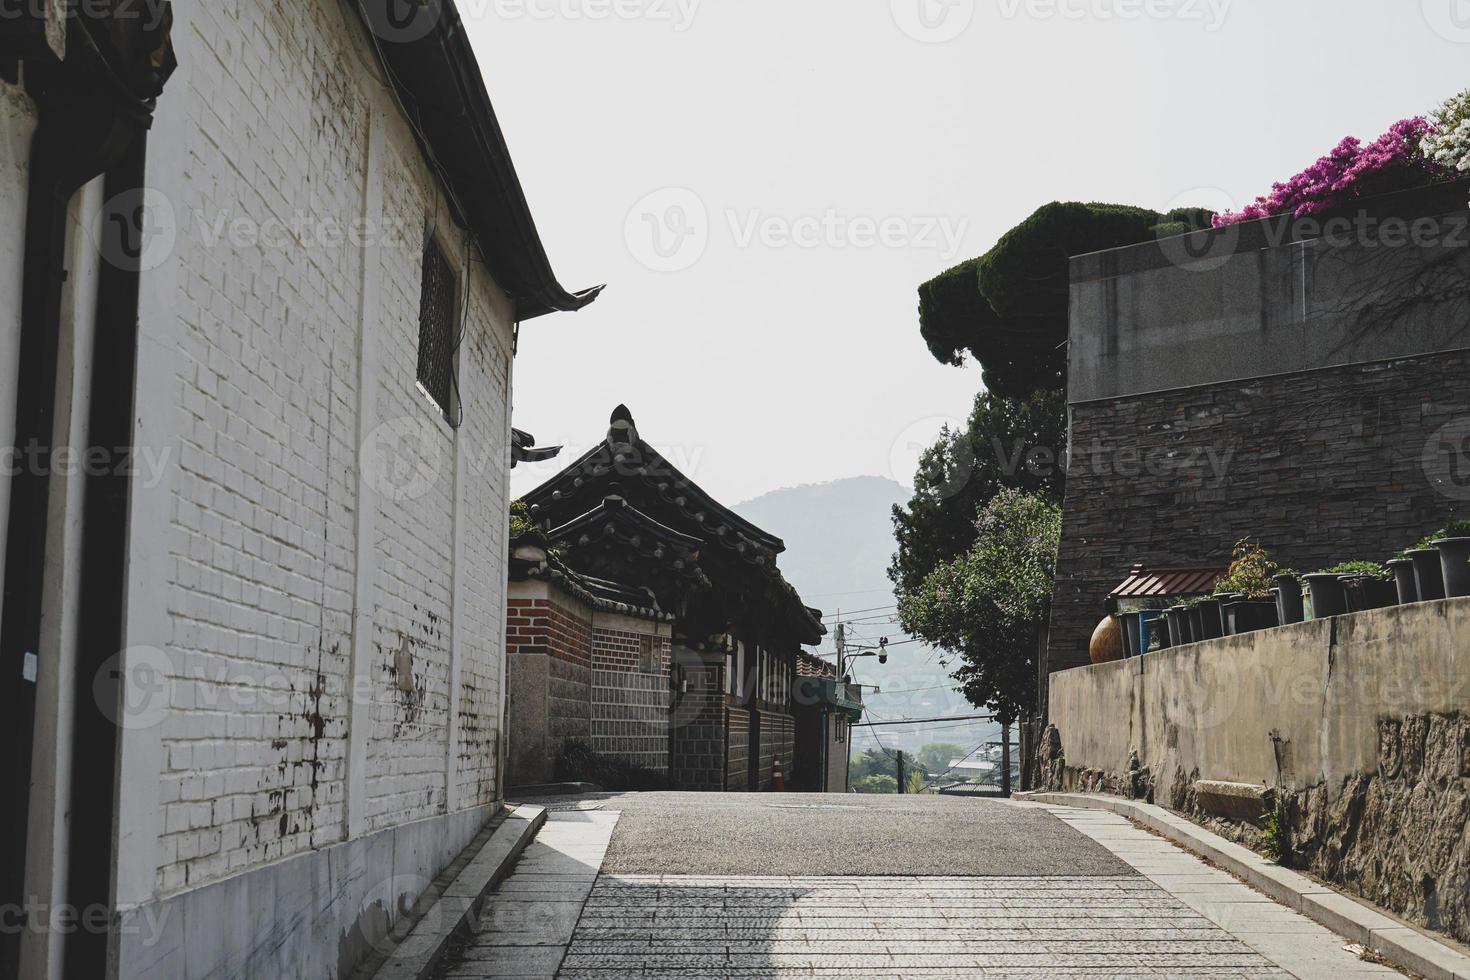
(1319, 467)
(630, 717)
(697, 728)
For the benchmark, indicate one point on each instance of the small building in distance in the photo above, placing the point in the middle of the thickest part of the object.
(826, 709)
(622, 521)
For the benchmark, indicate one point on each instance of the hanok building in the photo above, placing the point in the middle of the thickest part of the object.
(622, 522)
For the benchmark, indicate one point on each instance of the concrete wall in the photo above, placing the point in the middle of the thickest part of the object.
(317, 562)
(1273, 296)
(1311, 393)
(1360, 723)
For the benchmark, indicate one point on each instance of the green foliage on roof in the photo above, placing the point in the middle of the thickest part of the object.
(1009, 306)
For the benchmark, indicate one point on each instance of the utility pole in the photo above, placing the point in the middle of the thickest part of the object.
(900, 771)
(1005, 758)
(841, 644)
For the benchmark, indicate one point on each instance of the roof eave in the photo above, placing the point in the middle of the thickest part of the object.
(433, 69)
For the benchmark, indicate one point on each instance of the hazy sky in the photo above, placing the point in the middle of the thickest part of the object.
(764, 185)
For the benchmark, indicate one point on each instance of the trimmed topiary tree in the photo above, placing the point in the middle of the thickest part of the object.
(1009, 306)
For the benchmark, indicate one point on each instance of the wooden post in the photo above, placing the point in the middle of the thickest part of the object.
(900, 771)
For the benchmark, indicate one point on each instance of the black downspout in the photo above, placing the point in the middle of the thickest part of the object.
(98, 694)
(77, 136)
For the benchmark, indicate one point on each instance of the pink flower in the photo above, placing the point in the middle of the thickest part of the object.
(1350, 171)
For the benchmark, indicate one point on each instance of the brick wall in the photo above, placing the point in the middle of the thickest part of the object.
(268, 442)
(778, 739)
(697, 726)
(1320, 467)
(737, 751)
(556, 630)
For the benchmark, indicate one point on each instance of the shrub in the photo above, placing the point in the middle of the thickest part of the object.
(520, 519)
(579, 763)
(1250, 573)
(1395, 161)
(1447, 145)
(1369, 568)
(1009, 306)
(1276, 839)
(876, 784)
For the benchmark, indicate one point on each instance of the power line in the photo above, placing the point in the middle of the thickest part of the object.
(838, 617)
(924, 721)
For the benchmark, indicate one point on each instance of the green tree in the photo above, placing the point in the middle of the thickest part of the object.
(915, 784)
(1008, 443)
(876, 784)
(872, 763)
(989, 605)
(936, 758)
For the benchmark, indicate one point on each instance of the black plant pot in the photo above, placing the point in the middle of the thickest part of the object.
(1196, 624)
(1328, 598)
(1428, 573)
(1454, 563)
(1128, 623)
(1364, 592)
(1403, 580)
(1249, 615)
(1166, 629)
(1154, 634)
(1209, 619)
(1289, 606)
(1177, 626)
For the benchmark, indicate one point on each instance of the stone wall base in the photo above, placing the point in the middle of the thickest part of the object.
(317, 914)
(1398, 837)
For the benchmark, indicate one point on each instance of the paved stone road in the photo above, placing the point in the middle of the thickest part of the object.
(1157, 912)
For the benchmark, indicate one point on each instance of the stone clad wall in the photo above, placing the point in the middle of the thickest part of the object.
(1360, 726)
(1319, 467)
(630, 690)
(697, 725)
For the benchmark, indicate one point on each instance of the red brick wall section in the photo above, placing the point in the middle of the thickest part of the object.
(623, 650)
(564, 634)
(544, 626)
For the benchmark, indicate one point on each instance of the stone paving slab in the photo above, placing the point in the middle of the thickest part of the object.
(1163, 914)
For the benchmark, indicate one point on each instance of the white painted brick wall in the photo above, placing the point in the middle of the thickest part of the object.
(281, 98)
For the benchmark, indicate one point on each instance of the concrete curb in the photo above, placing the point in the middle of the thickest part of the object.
(420, 951)
(1399, 943)
(551, 789)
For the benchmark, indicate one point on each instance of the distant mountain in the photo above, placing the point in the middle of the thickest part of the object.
(839, 541)
(839, 538)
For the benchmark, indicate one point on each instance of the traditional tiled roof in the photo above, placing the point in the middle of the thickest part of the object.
(737, 555)
(625, 461)
(810, 665)
(532, 559)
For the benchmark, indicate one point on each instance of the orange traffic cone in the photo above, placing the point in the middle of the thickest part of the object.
(778, 784)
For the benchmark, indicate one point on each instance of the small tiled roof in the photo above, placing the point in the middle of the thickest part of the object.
(810, 665)
(1144, 581)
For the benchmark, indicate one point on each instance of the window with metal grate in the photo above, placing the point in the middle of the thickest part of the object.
(438, 327)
